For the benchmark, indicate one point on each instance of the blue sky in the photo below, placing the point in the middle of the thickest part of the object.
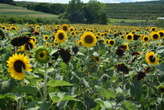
(66, 1)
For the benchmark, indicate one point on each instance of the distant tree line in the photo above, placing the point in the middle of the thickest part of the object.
(6, 1)
(76, 11)
(48, 8)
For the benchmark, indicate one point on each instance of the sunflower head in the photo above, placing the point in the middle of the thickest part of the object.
(161, 33)
(65, 27)
(145, 38)
(155, 36)
(151, 58)
(88, 39)
(17, 64)
(45, 37)
(60, 36)
(42, 55)
(110, 42)
(129, 37)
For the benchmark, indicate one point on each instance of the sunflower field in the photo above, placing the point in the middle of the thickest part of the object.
(81, 67)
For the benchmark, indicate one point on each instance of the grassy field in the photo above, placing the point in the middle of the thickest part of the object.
(9, 10)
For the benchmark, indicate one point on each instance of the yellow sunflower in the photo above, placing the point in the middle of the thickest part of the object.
(60, 36)
(145, 38)
(17, 64)
(28, 46)
(110, 42)
(151, 58)
(88, 39)
(45, 37)
(155, 36)
(161, 33)
(65, 27)
(129, 37)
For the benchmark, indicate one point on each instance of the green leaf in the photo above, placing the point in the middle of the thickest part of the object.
(107, 93)
(129, 105)
(6, 96)
(161, 67)
(58, 83)
(26, 89)
(45, 106)
(59, 97)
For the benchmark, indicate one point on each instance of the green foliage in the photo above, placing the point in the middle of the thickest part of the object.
(45, 7)
(91, 12)
(31, 20)
(75, 11)
(58, 83)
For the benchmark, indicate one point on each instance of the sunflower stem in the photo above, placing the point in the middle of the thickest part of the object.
(45, 84)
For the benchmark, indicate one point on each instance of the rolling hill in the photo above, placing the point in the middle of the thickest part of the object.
(138, 10)
(10, 10)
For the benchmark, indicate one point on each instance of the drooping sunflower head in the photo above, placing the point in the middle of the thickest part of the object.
(19, 41)
(17, 65)
(29, 45)
(151, 58)
(42, 55)
(88, 39)
(60, 36)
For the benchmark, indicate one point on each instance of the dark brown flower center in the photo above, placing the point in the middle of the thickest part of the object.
(111, 42)
(155, 36)
(161, 34)
(129, 37)
(19, 66)
(41, 55)
(88, 39)
(61, 36)
(152, 58)
(65, 28)
(145, 39)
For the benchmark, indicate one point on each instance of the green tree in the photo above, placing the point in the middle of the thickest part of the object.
(95, 13)
(75, 11)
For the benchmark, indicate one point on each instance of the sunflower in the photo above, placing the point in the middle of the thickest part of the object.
(151, 58)
(42, 55)
(155, 36)
(110, 42)
(28, 46)
(153, 28)
(88, 39)
(19, 41)
(65, 27)
(45, 37)
(60, 36)
(17, 64)
(145, 38)
(71, 29)
(129, 37)
(161, 33)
